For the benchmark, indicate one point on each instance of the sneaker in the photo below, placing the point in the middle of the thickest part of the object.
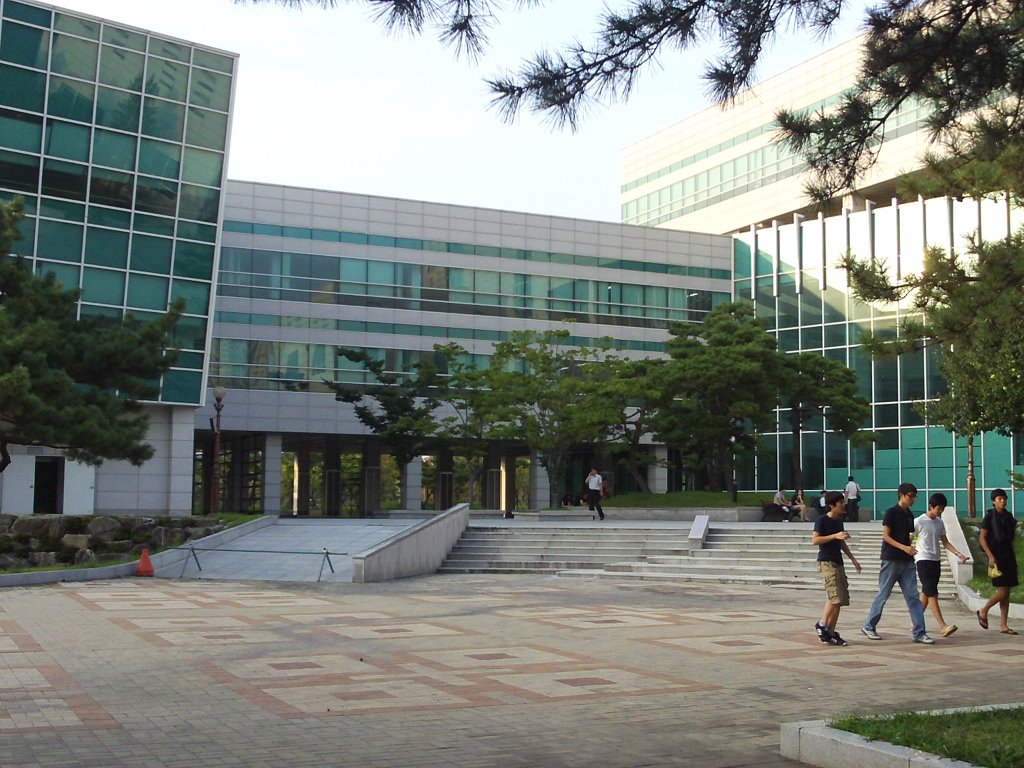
(835, 639)
(924, 639)
(822, 631)
(870, 634)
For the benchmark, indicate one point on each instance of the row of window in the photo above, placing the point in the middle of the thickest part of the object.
(759, 168)
(26, 132)
(440, 333)
(99, 186)
(92, 29)
(489, 251)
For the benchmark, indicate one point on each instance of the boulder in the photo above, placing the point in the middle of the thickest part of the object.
(84, 556)
(166, 537)
(105, 528)
(6, 521)
(75, 540)
(10, 562)
(42, 558)
(41, 526)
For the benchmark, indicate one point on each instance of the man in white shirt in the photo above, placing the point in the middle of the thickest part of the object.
(594, 483)
(852, 497)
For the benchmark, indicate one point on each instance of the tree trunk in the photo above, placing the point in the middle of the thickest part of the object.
(5, 457)
(634, 469)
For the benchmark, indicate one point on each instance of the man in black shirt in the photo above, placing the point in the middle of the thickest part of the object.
(898, 566)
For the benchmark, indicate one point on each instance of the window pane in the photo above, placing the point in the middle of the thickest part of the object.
(159, 158)
(114, 149)
(190, 333)
(118, 109)
(163, 119)
(168, 50)
(154, 225)
(207, 129)
(66, 274)
(71, 99)
(61, 209)
(74, 57)
(22, 88)
(156, 196)
(107, 217)
(212, 60)
(76, 25)
(19, 172)
(106, 247)
(121, 68)
(196, 295)
(21, 130)
(67, 140)
(124, 38)
(63, 179)
(202, 167)
(151, 254)
(191, 230)
(198, 203)
(166, 79)
(209, 89)
(103, 286)
(111, 188)
(60, 241)
(181, 386)
(147, 291)
(193, 260)
(29, 13)
(24, 45)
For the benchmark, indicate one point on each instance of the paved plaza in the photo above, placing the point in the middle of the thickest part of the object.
(478, 671)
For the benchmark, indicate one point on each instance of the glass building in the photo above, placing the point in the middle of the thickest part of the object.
(116, 138)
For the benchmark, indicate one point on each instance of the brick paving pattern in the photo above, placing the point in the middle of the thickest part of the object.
(466, 671)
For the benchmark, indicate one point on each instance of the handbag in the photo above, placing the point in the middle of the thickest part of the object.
(994, 572)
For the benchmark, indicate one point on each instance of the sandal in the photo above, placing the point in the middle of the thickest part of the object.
(982, 622)
(1008, 631)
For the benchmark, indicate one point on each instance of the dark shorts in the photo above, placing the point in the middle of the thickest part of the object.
(1008, 565)
(928, 572)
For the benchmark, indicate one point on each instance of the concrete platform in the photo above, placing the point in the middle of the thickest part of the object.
(463, 671)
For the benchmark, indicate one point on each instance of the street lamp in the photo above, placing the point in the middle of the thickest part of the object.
(218, 406)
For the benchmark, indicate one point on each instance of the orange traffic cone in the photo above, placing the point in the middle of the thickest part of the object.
(145, 566)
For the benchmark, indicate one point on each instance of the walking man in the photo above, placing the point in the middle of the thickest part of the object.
(594, 482)
(852, 498)
(897, 567)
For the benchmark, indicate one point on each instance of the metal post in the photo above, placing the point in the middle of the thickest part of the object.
(972, 510)
(218, 406)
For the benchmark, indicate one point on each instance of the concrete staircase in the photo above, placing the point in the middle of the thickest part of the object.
(753, 553)
(758, 554)
(553, 547)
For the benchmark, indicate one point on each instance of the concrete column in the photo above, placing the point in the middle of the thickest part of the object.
(301, 501)
(540, 485)
(657, 473)
(370, 485)
(444, 484)
(508, 473)
(332, 476)
(272, 474)
(411, 483)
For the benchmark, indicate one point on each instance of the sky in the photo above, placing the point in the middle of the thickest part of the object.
(330, 99)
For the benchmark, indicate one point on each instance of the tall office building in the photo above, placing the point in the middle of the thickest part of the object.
(117, 140)
(721, 170)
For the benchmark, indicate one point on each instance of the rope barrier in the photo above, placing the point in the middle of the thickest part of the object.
(324, 554)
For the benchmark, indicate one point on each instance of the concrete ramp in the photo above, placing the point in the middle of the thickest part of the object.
(292, 549)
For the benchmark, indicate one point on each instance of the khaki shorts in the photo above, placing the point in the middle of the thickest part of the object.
(833, 575)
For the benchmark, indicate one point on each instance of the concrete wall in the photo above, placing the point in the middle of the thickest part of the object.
(414, 552)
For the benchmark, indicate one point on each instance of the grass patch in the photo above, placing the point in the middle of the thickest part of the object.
(991, 738)
(686, 499)
(65, 566)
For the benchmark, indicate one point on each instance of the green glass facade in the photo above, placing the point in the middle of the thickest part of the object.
(790, 275)
(116, 139)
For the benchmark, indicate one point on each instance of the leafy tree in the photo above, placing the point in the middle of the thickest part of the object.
(399, 408)
(633, 388)
(68, 383)
(815, 386)
(721, 386)
(959, 58)
(467, 424)
(547, 396)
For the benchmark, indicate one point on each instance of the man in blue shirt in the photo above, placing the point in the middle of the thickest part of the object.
(898, 567)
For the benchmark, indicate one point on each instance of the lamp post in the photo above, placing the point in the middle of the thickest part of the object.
(218, 406)
(972, 510)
